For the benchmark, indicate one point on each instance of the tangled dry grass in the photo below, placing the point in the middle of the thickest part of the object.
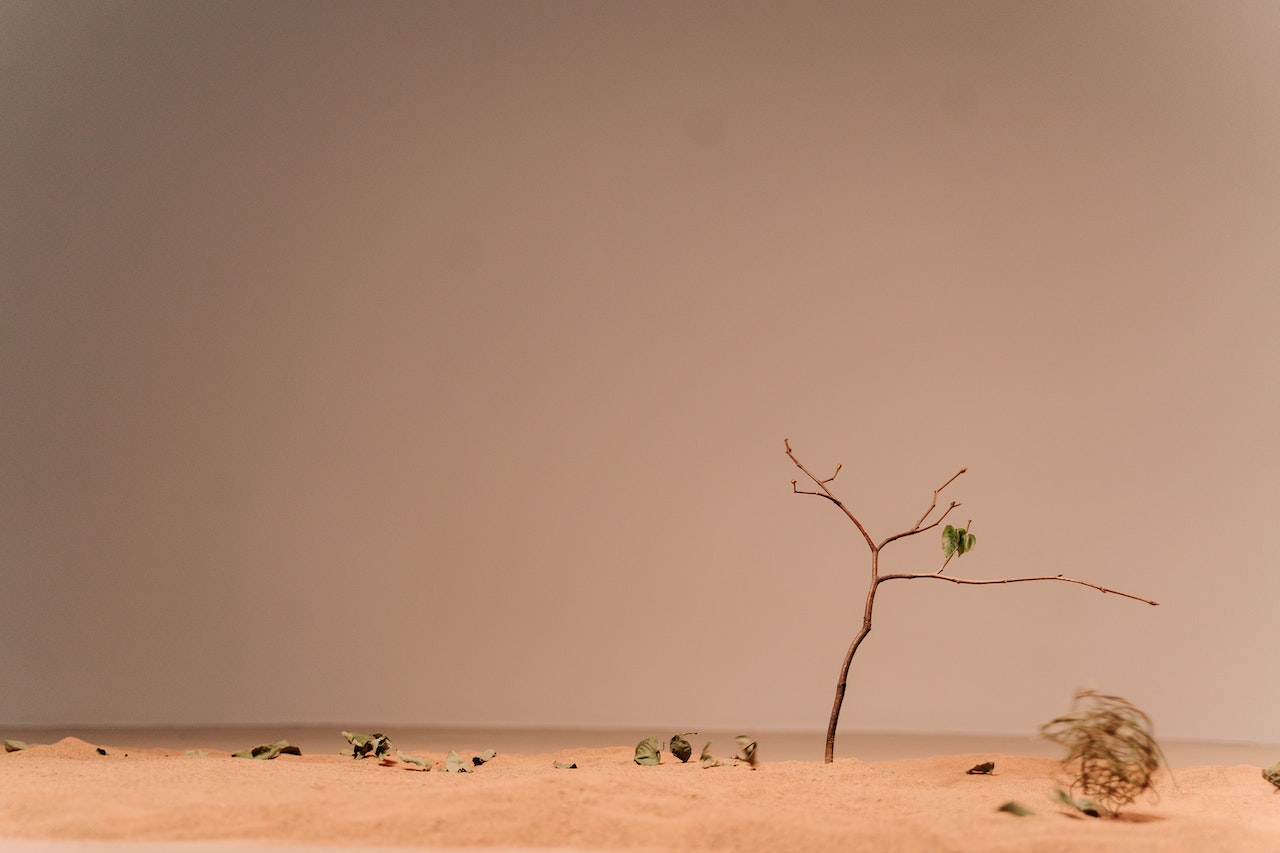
(1110, 749)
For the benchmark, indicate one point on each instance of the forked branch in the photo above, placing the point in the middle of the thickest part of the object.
(826, 493)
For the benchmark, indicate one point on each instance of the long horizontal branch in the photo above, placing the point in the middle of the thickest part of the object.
(973, 582)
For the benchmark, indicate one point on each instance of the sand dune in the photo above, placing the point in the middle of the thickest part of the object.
(69, 790)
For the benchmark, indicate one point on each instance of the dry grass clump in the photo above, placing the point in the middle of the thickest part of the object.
(1110, 749)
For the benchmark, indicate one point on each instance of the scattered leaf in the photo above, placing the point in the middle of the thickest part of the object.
(363, 745)
(746, 750)
(196, 753)
(420, 763)
(1015, 808)
(14, 745)
(268, 751)
(1081, 805)
(707, 759)
(560, 765)
(101, 751)
(649, 752)
(680, 747)
(453, 763)
(1271, 774)
(487, 755)
(983, 769)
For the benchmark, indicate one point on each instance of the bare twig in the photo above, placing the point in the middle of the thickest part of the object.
(913, 531)
(936, 491)
(985, 582)
(826, 493)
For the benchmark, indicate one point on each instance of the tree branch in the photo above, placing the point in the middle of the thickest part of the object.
(918, 529)
(936, 492)
(826, 493)
(877, 578)
(974, 582)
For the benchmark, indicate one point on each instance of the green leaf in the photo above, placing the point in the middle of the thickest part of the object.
(1015, 808)
(14, 745)
(707, 759)
(967, 542)
(950, 540)
(680, 747)
(649, 752)
(746, 749)
(1271, 774)
(560, 765)
(983, 769)
(487, 755)
(453, 763)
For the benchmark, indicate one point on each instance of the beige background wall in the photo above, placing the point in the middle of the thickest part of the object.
(432, 362)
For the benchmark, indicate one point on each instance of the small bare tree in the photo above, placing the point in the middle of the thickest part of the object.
(955, 542)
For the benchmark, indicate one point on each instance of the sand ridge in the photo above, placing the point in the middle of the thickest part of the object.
(69, 790)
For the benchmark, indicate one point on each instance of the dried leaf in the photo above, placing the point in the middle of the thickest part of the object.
(267, 751)
(453, 763)
(196, 753)
(746, 750)
(14, 745)
(649, 752)
(487, 755)
(560, 765)
(1015, 808)
(1081, 805)
(419, 763)
(707, 759)
(983, 769)
(680, 747)
(363, 745)
(1271, 774)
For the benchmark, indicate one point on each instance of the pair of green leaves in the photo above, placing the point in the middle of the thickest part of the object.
(957, 540)
(268, 751)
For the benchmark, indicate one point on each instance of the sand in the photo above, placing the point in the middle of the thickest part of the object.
(68, 790)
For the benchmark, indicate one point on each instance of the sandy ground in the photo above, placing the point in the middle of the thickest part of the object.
(68, 791)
